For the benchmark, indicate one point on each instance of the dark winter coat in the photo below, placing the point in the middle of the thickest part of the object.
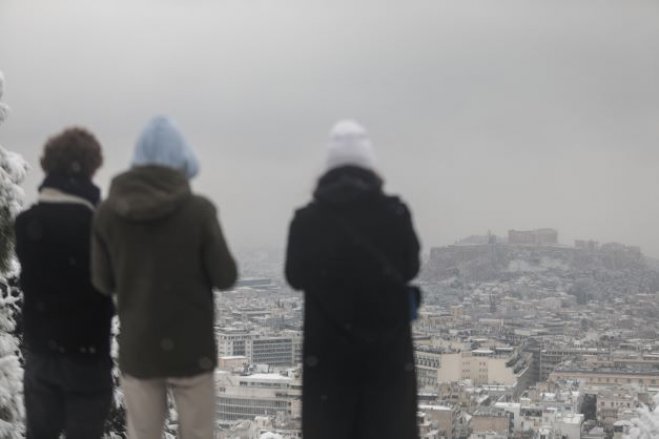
(160, 249)
(62, 312)
(358, 377)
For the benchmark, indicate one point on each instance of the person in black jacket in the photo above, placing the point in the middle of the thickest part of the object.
(67, 381)
(351, 250)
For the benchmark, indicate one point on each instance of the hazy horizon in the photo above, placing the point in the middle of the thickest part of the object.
(485, 116)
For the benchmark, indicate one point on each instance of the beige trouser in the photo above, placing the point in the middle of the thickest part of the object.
(146, 406)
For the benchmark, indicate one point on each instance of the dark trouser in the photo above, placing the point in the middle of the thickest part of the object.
(66, 395)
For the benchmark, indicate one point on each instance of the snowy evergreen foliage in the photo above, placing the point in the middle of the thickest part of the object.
(12, 171)
(115, 425)
(171, 424)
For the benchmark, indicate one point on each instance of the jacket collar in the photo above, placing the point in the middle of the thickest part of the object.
(52, 195)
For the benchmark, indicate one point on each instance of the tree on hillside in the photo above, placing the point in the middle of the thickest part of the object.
(12, 172)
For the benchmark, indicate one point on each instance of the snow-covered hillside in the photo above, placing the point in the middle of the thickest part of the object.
(602, 272)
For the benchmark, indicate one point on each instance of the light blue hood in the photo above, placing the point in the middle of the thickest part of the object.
(161, 143)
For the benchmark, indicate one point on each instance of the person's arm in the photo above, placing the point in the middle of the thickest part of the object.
(101, 262)
(410, 263)
(295, 261)
(218, 262)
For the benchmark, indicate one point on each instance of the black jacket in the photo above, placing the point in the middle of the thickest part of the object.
(62, 312)
(359, 378)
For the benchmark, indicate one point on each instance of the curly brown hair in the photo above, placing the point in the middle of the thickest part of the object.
(73, 152)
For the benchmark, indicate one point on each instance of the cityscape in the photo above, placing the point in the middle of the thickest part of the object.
(170, 155)
(518, 337)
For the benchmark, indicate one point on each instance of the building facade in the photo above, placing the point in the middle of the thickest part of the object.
(246, 397)
(273, 350)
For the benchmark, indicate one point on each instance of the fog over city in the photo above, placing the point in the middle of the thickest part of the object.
(485, 115)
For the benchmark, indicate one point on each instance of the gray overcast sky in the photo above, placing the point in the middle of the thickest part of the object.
(486, 115)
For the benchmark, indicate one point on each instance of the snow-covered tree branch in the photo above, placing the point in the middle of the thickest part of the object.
(12, 172)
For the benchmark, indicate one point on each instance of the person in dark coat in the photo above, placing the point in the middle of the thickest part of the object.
(159, 250)
(350, 250)
(66, 341)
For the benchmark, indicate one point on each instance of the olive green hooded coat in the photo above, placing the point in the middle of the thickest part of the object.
(160, 250)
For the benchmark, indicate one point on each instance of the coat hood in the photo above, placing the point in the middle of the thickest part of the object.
(161, 143)
(147, 193)
(347, 186)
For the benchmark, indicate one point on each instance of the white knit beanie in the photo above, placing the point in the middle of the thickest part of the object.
(349, 144)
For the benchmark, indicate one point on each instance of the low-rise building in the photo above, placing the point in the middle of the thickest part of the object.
(442, 419)
(551, 357)
(427, 361)
(232, 363)
(245, 397)
(487, 366)
(275, 350)
(613, 376)
(616, 404)
(491, 419)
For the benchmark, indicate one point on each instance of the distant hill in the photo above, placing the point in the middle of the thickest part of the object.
(653, 263)
(588, 271)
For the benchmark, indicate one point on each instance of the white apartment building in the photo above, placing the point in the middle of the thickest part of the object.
(480, 366)
(560, 425)
(616, 404)
(232, 363)
(551, 423)
(554, 417)
(485, 366)
(427, 363)
(246, 397)
(290, 429)
(274, 350)
(232, 341)
(442, 419)
(612, 377)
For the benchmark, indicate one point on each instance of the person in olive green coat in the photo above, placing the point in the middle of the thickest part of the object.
(159, 250)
